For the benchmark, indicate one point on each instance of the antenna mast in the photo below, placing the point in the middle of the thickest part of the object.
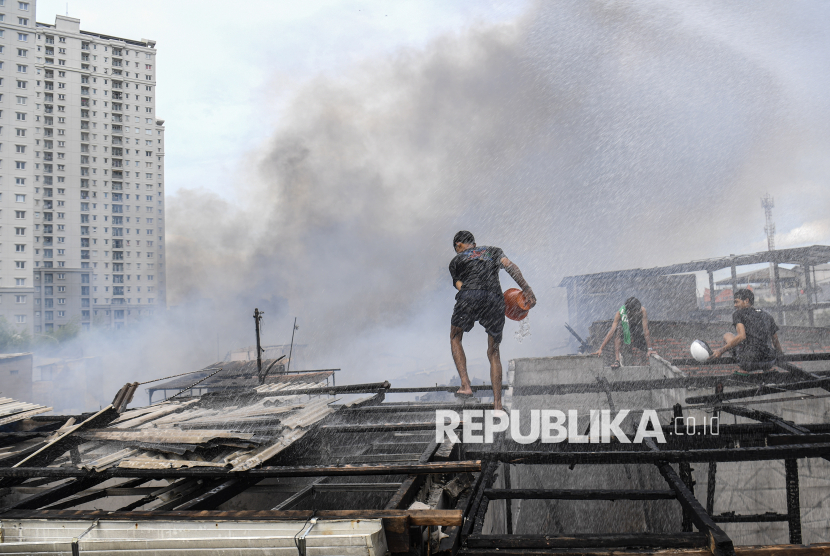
(768, 203)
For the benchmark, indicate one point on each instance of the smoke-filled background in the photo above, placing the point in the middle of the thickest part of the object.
(579, 136)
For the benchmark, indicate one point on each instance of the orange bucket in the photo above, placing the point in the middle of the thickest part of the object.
(516, 306)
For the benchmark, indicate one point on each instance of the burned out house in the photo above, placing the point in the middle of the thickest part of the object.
(298, 465)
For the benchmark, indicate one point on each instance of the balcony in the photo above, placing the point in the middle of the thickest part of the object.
(117, 209)
(85, 254)
(84, 230)
(48, 97)
(116, 63)
(117, 232)
(84, 125)
(117, 151)
(116, 129)
(47, 205)
(117, 118)
(117, 141)
(47, 216)
(117, 85)
(118, 290)
(47, 132)
(47, 168)
(117, 278)
(48, 85)
(116, 96)
(117, 107)
(47, 156)
(48, 109)
(47, 241)
(85, 102)
(117, 163)
(118, 244)
(118, 255)
(85, 90)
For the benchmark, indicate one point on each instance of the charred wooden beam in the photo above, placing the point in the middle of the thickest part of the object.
(379, 427)
(261, 473)
(53, 494)
(718, 542)
(488, 476)
(761, 453)
(613, 540)
(416, 517)
(793, 500)
(406, 493)
(760, 390)
(727, 360)
(577, 494)
(217, 495)
(414, 408)
(768, 517)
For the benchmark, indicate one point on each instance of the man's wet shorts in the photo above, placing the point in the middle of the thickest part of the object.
(479, 305)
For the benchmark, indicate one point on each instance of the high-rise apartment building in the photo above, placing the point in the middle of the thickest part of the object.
(81, 175)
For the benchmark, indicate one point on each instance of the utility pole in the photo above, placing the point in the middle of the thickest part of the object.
(257, 318)
(291, 351)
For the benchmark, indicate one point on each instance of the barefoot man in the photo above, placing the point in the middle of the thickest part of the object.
(475, 274)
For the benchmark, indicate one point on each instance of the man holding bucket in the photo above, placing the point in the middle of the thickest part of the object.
(475, 274)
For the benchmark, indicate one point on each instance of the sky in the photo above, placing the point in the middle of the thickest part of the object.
(224, 82)
(321, 155)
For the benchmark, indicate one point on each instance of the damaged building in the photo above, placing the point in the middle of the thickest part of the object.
(250, 457)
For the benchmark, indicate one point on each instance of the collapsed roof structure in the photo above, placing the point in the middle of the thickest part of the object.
(296, 465)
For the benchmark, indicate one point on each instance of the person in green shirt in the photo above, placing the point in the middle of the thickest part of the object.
(630, 327)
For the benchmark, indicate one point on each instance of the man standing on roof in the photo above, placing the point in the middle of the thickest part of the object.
(756, 343)
(475, 274)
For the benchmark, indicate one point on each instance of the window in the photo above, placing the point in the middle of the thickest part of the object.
(23, 37)
(20, 214)
(23, 6)
(22, 52)
(20, 264)
(20, 231)
(20, 248)
(61, 301)
(22, 68)
(20, 319)
(20, 299)
(20, 165)
(20, 282)
(21, 116)
(20, 132)
(21, 84)
(22, 21)
(21, 100)
(20, 148)
(20, 181)
(18, 198)
(61, 313)
(148, 66)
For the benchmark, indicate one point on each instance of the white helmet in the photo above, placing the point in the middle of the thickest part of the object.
(701, 350)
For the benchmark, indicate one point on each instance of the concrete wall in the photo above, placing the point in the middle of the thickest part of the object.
(745, 488)
(16, 376)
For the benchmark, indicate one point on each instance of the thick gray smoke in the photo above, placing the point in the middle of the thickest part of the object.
(586, 136)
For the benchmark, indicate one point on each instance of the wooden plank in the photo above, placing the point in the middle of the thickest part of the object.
(577, 494)
(613, 540)
(406, 493)
(260, 473)
(772, 550)
(397, 534)
(416, 517)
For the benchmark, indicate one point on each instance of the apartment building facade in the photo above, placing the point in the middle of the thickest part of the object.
(81, 176)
